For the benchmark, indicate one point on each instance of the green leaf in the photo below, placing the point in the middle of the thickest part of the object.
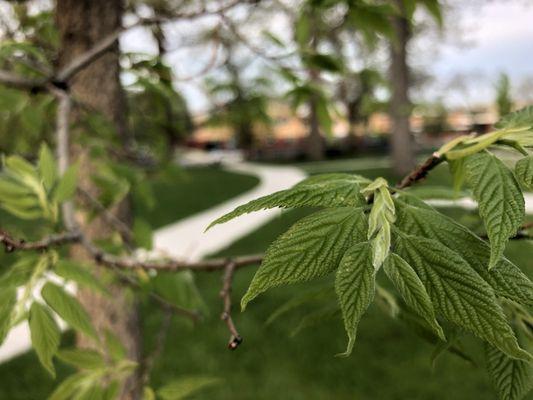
(8, 299)
(513, 379)
(47, 166)
(387, 302)
(112, 391)
(273, 38)
(82, 358)
(19, 272)
(148, 393)
(67, 185)
(68, 388)
(317, 317)
(79, 273)
(12, 189)
(434, 9)
(412, 290)
(179, 289)
(142, 233)
(517, 119)
(45, 336)
(335, 176)
(21, 167)
(331, 190)
(68, 308)
(381, 217)
(300, 299)
(524, 171)
(323, 115)
(355, 287)
(186, 386)
(458, 170)
(325, 62)
(501, 204)
(303, 29)
(458, 292)
(505, 278)
(311, 248)
(90, 392)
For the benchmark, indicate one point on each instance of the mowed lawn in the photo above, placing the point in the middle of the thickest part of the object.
(389, 361)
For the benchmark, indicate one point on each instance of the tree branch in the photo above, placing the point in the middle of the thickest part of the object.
(125, 263)
(62, 77)
(235, 339)
(11, 244)
(19, 82)
(84, 59)
(62, 149)
(421, 171)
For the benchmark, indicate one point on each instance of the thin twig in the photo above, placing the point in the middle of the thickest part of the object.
(124, 262)
(274, 58)
(421, 171)
(19, 82)
(123, 229)
(11, 244)
(225, 294)
(148, 362)
(84, 59)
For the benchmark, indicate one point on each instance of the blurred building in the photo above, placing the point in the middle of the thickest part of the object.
(286, 133)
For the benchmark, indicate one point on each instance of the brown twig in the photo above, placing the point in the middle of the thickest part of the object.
(225, 294)
(11, 244)
(123, 229)
(19, 82)
(275, 58)
(421, 171)
(124, 262)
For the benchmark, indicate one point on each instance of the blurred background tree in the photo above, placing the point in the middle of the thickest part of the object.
(504, 103)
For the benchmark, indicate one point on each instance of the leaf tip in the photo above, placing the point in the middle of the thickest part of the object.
(349, 348)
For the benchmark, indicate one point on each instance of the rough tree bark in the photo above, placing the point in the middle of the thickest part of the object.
(403, 154)
(314, 146)
(81, 24)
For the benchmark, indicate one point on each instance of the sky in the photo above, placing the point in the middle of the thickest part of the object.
(481, 43)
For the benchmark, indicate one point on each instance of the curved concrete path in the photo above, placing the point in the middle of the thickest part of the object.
(186, 239)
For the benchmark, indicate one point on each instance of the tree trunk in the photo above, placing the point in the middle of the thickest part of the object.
(314, 142)
(403, 154)
(81, 24)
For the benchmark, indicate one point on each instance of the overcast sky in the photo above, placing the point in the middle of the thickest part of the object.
(497, 37)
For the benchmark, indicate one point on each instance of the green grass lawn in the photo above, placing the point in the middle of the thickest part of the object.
(182, 192)
(389, 362)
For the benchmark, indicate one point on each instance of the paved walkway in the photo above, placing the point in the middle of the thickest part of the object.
(186, 239)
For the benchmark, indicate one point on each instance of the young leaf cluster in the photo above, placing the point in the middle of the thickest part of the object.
(34, 192)
(449, 278)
